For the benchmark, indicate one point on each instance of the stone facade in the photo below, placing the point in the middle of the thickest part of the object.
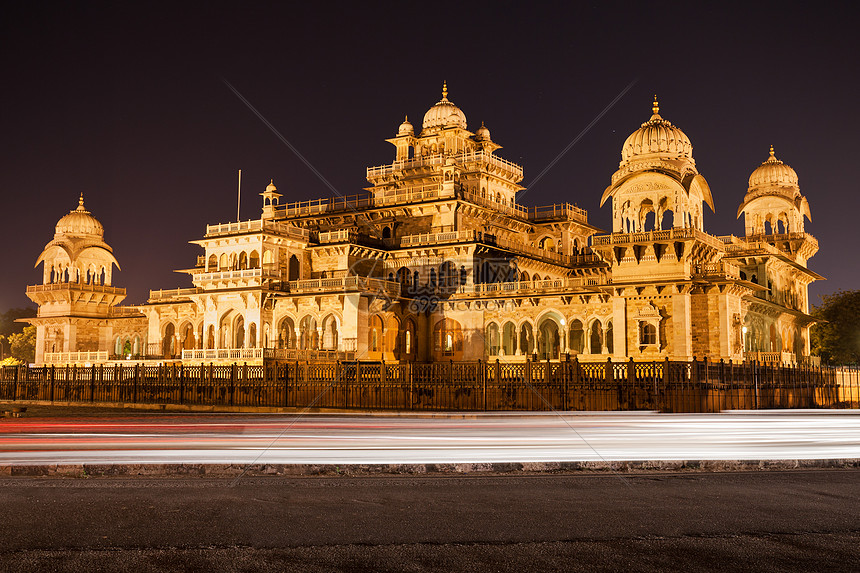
(438, 261)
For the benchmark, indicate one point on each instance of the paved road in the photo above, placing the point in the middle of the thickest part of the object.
(767, 521)
(351, 439)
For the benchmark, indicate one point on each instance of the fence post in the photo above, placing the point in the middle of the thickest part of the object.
(53, 377)
(481, 378)
(232, 381)
(755, 383)
(93, 383)
(182, 382)
(15, 392)
(608, 374)
(136, 379)
(411, 371)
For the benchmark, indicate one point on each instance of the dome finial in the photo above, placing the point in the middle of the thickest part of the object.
(444, 89)
(81, 202)
(771, 151)
(406, 117)
(655, 108)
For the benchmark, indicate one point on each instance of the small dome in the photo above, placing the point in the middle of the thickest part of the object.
(270, 188)
(657, 136)
(444, 113)
(79, 222)
(773, 173)
(483, 134)
(406, 128)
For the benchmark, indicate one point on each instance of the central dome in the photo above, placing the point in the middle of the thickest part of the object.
(444, 113)
(773, 173)
(79, 222)
(657, 136)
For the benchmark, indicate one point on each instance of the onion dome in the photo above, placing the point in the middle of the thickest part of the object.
(657, 136)
(406, 128)
(270, 188)
(483, 134)
(444, 113)
(773, 173)
(79, 222)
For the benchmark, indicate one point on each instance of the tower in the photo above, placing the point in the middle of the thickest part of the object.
(76, 297)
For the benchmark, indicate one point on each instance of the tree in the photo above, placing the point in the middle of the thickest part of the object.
(836, 339)
(23, 344)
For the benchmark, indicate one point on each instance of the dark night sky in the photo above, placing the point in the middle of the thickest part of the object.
(128, 106)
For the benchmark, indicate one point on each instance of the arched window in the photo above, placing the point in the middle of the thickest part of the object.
(374, 335)
(243, 261)
(577, 337)
(527, 339)
(447, 338)
(168, 341)
(213, 264)
(595, 342)
(491, 340)
(252, 336)
(308, 335)
(239, 339)
(287, 333)
(386, 232)
(254, 260)
(267, 257)
(610, 338)
(509, 339)
(293, 268)
(392, 340)
(222, 262)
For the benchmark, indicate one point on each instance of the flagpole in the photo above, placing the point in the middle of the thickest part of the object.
(239, 197)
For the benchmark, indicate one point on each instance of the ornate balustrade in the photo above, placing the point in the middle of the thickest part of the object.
(657, 236)
(258, 225)
(85, 357)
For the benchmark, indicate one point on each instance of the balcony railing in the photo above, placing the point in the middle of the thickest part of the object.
(125, 310)
(656, 236)
(564, 211)
(75, 357)
(269, 271)
(236, 354)
(717, 270)
(172, 294)
(442, 159)
(256, 226)
(538, 286)
(328, 205)
(86, 287)
(349, 283)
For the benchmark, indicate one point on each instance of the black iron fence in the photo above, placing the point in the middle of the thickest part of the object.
(697, 386)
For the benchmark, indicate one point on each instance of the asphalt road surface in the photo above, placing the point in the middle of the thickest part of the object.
(352, 439)
(765, 521)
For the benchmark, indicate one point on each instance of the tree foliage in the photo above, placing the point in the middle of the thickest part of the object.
(7, 320)
(23, 344)
(837, 338)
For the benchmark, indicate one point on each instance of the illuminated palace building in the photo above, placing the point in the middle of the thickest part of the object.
(438, 261)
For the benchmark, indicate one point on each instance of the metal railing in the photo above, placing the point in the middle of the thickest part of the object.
(696, 386)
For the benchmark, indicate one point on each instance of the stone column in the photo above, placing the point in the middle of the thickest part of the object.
(682, 342)
(619, 326)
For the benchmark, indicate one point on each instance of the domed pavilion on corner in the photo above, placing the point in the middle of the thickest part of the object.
(437, 260)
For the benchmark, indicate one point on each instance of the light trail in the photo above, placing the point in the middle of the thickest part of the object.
(482, 438)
